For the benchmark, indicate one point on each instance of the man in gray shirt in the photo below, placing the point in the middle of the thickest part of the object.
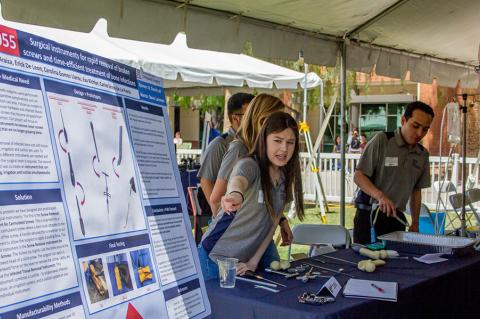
(392, 170)
(213, 155)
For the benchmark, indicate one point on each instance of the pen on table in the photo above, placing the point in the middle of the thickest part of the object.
(378, 288)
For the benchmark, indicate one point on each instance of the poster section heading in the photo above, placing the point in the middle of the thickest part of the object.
(49, 307)
(24, 197)
(42, 56)
(82, 93)
(158, 210)
(20, 80)
(106, 246)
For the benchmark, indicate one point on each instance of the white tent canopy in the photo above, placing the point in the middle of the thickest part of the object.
(428, 38)
(178, 65)
(205, 66)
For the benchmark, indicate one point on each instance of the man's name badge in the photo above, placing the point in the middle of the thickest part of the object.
(391, 161)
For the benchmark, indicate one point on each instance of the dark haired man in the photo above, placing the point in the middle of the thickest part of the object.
(213, 155)
(392, 170)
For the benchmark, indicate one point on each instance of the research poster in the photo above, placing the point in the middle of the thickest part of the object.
(93, 221)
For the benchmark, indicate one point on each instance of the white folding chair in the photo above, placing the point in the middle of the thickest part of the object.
(319, 234)
(456, 202)
(473, 196)
(443, 189)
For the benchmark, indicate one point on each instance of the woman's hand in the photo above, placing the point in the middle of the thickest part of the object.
(286, 233)
(232, 202)
(242, 268)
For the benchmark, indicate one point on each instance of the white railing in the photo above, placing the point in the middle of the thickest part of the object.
(329, 165)
(187, 154)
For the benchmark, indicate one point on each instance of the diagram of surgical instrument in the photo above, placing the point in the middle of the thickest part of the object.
(132, 189)
(64, 148)
(97, 167)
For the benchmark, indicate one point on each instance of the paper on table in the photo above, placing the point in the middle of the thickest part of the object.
(431, 258)
(371, 289)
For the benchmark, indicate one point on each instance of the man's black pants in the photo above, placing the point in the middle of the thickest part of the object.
(383, 225)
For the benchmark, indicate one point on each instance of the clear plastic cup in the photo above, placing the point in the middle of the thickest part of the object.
(227, 269)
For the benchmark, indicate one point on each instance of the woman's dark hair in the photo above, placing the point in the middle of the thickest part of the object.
(278, 122)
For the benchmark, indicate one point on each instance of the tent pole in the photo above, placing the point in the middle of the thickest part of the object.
(343, 99)
(305, 68)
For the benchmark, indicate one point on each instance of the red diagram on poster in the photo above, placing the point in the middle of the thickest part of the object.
(132, 313)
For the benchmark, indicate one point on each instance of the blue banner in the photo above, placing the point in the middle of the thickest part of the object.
(39, 49)
(83, 93)
(30, 196)
(18, 79)
(158, 210)
(143, 107)
(181, 289)
(45, 308)
(112, 245)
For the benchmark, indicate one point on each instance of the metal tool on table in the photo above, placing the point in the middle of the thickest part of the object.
(286, 275)
(250, 273)
(306, 276)
(334, 258)
(331, 270)
(266, 288)
(256, 281)
(314, 299)
(318, 274)
(299, 268)
(374, 245)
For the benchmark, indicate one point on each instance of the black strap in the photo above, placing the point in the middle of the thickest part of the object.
(224, 135)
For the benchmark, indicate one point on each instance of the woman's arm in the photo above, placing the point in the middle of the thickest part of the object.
(218, 191)
(252, 263)
(234, 198)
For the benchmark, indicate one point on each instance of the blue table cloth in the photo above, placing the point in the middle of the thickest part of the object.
(446, 290)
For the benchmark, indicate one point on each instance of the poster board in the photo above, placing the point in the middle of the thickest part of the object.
(93, 220)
